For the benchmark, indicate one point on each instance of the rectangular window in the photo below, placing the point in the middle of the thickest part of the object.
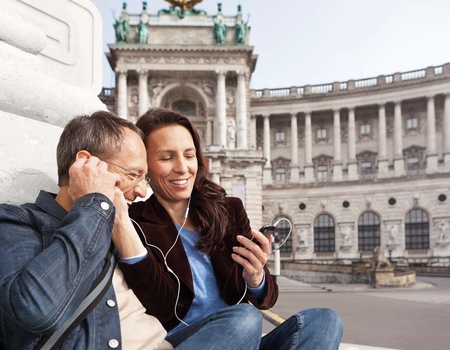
(279, 136)
(412, 123)
(322, 173)
(280, 174)
(321, 134)
(366, 168)
(413, 163)
(365, 129)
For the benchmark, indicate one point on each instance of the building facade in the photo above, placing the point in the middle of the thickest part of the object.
(351, 164)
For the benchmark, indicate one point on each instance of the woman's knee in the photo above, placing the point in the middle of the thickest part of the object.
(248, 319)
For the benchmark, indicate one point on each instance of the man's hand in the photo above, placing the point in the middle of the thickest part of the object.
(253, 257)
(89, 175)
(124, 235)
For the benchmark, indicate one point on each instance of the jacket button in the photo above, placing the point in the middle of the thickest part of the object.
(104, 205)
(113, 343)
(111, 303)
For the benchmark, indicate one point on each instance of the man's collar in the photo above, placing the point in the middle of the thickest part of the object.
(46, 202)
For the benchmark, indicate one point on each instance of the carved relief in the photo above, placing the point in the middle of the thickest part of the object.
(344, 134)
(230, 97)
(346, 233)
(302, 236)
(393, 234)
(443, 228)
(207, 87)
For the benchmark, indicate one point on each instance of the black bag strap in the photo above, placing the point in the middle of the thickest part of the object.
(98, 290)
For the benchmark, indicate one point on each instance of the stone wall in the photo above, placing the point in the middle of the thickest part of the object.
(50, 69)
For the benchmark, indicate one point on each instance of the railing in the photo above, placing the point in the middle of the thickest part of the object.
(320, 89)
(367, 83)
(280, 92)
(417, 74)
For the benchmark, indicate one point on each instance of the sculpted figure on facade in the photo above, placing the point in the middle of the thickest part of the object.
(443, 228)
(220, 30)
(241, 28)
(142, 32)
(207, 89)
(230, 97)
(156, 88)
(393, 233)
(302, 236)
(346, 233)
(122, 26)
(231, 134)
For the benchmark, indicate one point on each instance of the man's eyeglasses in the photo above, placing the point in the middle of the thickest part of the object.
(136, 178)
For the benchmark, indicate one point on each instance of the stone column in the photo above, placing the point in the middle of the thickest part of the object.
(447, 132)
(383, 163)
(221, 110)
(122, 106)
(309, 166)
(337, 162)
(209, 123)
(241, 110)
(143, 91)
(399, 160)
(253, 132)
(267, 174)
(352, 165)
(432, 157)
(294, 178)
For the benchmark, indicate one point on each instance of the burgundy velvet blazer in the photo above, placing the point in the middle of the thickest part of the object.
(157, 289)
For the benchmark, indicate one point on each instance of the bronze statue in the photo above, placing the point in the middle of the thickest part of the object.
(122, 28)
(220, 31)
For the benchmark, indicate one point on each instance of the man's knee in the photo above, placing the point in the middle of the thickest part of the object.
(325, 318)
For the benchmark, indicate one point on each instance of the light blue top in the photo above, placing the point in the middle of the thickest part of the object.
(207, 298)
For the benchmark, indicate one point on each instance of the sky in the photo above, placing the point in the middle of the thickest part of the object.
(310, 42)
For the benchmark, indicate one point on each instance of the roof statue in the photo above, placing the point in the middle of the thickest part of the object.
(184, 6)
(121, 25)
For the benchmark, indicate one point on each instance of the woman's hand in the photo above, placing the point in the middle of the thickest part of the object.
(253, 256)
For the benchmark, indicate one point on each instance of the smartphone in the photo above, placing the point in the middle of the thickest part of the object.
(267, 230)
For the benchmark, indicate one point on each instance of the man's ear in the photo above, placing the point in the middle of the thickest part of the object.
(83, 154)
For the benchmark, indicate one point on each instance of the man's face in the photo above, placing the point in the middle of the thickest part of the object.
(130, 161)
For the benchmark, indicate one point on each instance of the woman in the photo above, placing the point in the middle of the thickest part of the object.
(204, 258)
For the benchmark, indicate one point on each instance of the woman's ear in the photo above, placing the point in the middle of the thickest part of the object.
(83, 154)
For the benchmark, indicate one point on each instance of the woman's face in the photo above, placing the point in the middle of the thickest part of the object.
(172, 163)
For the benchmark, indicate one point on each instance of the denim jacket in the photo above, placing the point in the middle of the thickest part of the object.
(49, 259)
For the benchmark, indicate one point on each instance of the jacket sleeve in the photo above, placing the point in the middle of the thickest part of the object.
(234, 286)
(156, 288)
(40, 288)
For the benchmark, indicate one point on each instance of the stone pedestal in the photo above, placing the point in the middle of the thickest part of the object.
(309, 173)
(385, 278)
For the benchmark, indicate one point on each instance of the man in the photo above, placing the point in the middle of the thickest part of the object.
(52, 251)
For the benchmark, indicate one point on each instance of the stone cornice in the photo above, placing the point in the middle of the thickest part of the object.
(179, 48)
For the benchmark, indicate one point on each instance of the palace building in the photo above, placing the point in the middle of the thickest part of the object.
(351, 164)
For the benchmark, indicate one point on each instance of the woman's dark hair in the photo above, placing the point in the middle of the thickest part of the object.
(208, 207)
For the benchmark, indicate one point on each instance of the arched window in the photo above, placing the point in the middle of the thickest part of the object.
(324, 234)
(185, 107)
(417, 230)
(281, 232)
(368, 231)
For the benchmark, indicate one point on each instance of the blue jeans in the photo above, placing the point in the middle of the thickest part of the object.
(232, 328)
(310, 329)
